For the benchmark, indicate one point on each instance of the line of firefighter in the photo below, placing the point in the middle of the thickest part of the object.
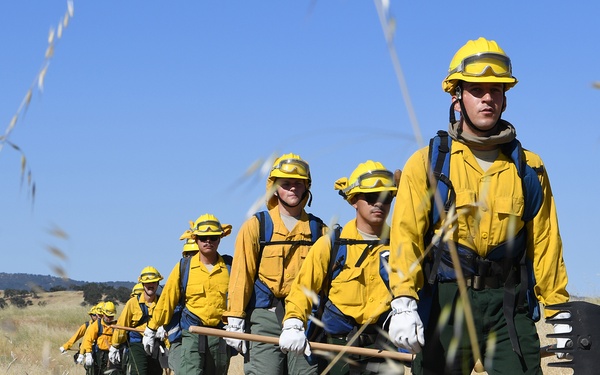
(251, 293)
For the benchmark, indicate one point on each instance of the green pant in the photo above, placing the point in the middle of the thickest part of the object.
(492, 335)
(211, 358)
(140, 363)
(175, 356)
(268, 359)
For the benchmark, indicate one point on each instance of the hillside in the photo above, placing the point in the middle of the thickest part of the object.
(24, 281)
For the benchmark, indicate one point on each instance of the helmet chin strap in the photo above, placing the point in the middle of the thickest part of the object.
(464, 113)
(307, 192)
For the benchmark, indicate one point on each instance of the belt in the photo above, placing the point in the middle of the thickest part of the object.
(477, 282)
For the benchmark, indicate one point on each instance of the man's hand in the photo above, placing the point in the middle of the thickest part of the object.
(89, 361)
(561, 342)
(113, 355)
(236, 325)
(161, 334)
(148, 340)
(62, 350)
(406, 329)
(293, 339)
(79, 359)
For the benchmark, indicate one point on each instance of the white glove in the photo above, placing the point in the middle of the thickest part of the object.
(293, 339)
(89, 361)
(236, 325)
(62, 350)
(561, 342)
(406, 328)
(79, 359)
(161, 333)
(113, 355)
(148, 340)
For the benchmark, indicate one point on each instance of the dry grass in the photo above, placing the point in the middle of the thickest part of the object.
(30, 337)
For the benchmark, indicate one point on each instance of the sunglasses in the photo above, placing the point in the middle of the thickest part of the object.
(383, 198)
(208, 238)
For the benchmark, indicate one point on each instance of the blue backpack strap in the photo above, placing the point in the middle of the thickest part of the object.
(228, 259)
(316, 227)
(532, 189)
(439, 167)
(173, 328)
(315, 332)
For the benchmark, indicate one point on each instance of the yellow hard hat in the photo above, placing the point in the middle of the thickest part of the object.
(190, 246)
(287, 166)
(206, 225)
(92, 310)
(149, 275)
(369, 177)
(479, 60)
(98, 308)
(137, 289)
(109, 309)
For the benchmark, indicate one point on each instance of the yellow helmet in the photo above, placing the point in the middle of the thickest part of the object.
(190, 246)
(149, 275)
(206, 225)
(92, 310)
(137, 289)
(369, 177)
(479, 60)
(287, 166)
(109, 309)
(98, 307)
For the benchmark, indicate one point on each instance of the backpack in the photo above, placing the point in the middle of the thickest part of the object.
(434, 269)
(262, 297)
(173, 328)
(333, 319)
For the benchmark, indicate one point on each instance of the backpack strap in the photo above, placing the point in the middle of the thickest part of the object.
(439, 168)
(315, 332)
(184, 273)
(145, 315)
(266, 232)
(228, 259)
(532, 189)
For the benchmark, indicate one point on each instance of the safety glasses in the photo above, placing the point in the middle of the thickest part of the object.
(209, 226)
(208, 238)
(477, 65)
(146, 277)
(293, 166)
(383, 197)
(373, 179)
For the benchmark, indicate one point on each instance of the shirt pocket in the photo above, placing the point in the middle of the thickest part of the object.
(466, 207)
(196, 290)
(348, 287)
(509, 206)
(271, 264)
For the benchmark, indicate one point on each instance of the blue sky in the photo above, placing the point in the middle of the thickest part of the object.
(152, 112)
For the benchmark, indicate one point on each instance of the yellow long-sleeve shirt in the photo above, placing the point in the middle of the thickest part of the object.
(131, 315)
(279, 264)
(205, 293)
(92, 335)
(359, 292)
(79, 334)
(489, 206)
